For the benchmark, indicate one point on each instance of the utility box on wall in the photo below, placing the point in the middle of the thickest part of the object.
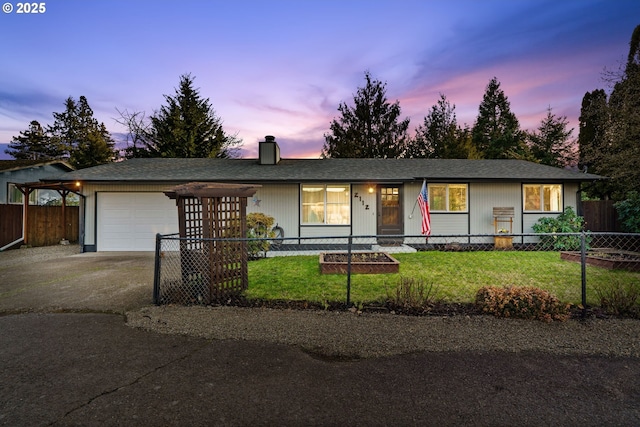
(212, 221)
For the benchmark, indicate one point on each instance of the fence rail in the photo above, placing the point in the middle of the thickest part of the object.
(357, 270)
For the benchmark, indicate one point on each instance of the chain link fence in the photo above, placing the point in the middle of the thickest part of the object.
(372, 271)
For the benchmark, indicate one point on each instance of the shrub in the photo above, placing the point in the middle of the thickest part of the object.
(521, 302)
(259, 226)
(566, 222)
(412, 293)
(629, 212)
(620, 299)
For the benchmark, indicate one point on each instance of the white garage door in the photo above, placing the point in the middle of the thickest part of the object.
(130, 221)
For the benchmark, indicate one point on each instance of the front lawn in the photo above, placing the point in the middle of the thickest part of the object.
(457, 276)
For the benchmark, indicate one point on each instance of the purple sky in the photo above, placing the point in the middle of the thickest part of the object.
(282, 67)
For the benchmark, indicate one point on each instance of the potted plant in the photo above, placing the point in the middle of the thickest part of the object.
(503, 241)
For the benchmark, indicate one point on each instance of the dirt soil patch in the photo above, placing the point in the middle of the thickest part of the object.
(361, 263)
(611, 259)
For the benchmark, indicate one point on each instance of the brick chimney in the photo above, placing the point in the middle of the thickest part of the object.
(269, 151)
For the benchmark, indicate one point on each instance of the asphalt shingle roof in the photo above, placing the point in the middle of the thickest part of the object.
(10, 165)
(307, 170)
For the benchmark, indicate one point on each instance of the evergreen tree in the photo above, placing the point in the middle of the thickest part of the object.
(551, 144)
(95, 148)
(439, 136)
(34, 144)
(623, 164)
(369, 129)
(496, 133)
(187, 126)
(594, 118)
(610, 130)
(75, 130)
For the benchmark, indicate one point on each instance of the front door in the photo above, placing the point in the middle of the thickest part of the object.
(390, 212)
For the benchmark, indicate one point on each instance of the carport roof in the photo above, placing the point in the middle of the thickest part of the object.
(309, 170)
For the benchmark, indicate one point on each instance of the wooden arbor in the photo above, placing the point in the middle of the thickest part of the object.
(212, 221)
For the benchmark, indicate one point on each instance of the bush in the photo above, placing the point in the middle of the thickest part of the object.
(620, 299)
(259, 226)
(566, 222)
(629, 212)
(521, 302)
(412, 293)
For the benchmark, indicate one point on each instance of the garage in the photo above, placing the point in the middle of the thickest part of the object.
(130, 221)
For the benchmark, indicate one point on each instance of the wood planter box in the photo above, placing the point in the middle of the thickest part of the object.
(503, 242)
(611, 259)
(361, 263)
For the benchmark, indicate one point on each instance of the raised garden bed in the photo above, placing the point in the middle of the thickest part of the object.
(611, 259)
(361, 263)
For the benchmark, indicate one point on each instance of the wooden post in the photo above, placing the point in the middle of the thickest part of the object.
(63, 194)
(26, 193)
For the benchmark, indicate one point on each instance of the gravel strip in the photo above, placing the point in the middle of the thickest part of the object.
(13, 257)
(353, 336)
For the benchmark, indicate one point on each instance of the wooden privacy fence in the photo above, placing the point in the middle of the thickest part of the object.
(46, 224)
(600, 215)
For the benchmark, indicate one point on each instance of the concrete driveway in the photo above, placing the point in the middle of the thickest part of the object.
(59, 278)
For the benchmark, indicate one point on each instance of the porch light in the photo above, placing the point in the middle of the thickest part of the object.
(371, 189)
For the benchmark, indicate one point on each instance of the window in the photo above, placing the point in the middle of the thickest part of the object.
(15, 196)
(325, 204)
(543, 198)
(448, 197)
(40, 197)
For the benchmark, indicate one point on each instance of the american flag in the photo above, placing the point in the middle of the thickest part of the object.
(423, 201)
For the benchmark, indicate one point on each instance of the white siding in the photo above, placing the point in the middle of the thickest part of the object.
(412, 217)
(324, 231)
(281, 202)
(449, 224)
(571, 195)
(363, 211)
(483, 197)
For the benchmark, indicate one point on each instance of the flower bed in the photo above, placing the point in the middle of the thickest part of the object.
(361, 263)
(611, 259)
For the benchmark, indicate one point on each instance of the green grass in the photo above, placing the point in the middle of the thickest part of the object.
(456, 275)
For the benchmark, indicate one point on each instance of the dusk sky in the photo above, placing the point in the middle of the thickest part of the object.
(282, 67)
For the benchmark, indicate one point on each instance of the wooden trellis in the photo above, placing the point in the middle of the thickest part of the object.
(211, 217)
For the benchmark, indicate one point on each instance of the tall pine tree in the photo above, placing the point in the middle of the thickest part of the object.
(439, 136)
(187, 126)
(610, 130)
(496, 133)
(371, 128)
(77, 132)
(624, 131)
(551, 144)
(34, 144)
